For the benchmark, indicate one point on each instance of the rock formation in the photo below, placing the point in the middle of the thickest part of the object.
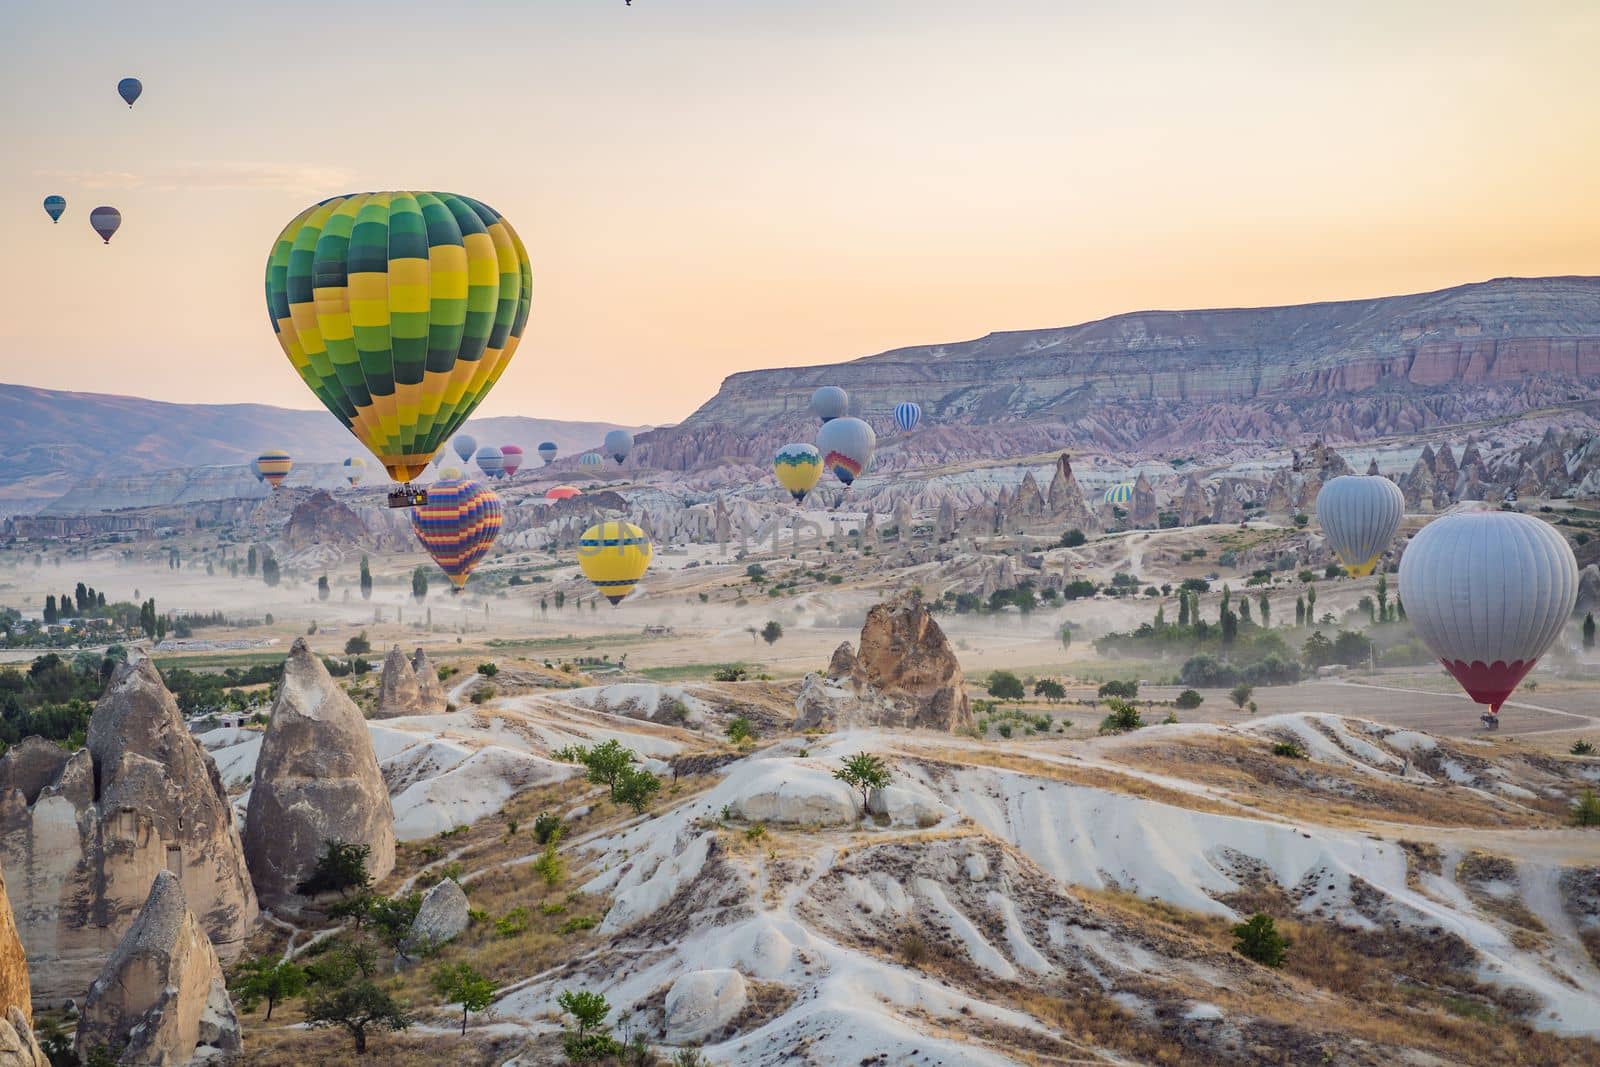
(428, 684)
(1280, 494)
(317, 781)
(322, 520)
(402, 692)
(1589, 590)
(1144, 515)
(441, 919)
(1066, 501)
(161, 995)
(17, 1045)
(904, 674)
(1192, 506)
(701, 1003)
(81, 849)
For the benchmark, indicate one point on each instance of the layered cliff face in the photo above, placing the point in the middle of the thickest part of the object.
(1351, 370)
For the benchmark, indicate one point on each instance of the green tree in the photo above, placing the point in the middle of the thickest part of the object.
(50, 613)
(1241, 694)
(1383, 598)
(1073, 538)
(560, 599)
(1311, 605)
(1586, 812)
(550, 866)
(592, 1039)
(1188, 700)
(1588, 630)
(1230, 626)
(419, 583)
(341, 868)
(636, 787)
(606, 762)
(864, 772)
(740, 730)
(1299, 611)
(771, 632)
(1128, 690)
(366, 579)
(269, 571)
(1003, 685)
(358, 645)
(343, 994)
(1123, 717)
(1266, 610)
(267, 978)
(249, 563)
(1050, 689)
(1183, 609)
(459, 983)
(322, 588)
(1258, 939)
(1244, 609)
(1064, 634)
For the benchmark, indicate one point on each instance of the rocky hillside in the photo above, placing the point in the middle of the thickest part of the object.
(1158, 380)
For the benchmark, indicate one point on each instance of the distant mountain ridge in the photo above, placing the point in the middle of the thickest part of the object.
(1148, 380)
(53, 439)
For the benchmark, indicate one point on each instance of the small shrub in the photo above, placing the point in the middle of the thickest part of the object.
(579, 922)
(488, 670)
(1258, 939)
(1582, 748)
(546, 826)
(512, 923)
(1289, 750)
(1188, 700)
(740, 730)
(482, 693)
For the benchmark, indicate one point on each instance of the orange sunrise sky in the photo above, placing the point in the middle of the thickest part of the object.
(708, 186)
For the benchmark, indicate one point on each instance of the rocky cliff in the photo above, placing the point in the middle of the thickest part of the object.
(18, 1048)
(1349, 369)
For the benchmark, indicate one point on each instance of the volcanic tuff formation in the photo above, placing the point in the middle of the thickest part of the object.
(401, 691)
(81, 836)
(18, 1048)
(1351, 369)
(161, 995)
(322, 520)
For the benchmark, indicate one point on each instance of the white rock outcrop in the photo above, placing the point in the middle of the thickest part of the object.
(700, 1003)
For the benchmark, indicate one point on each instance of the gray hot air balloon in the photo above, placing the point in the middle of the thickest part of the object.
(465, 445)
(829, 403)
(1488, 592)
(491, 461)
(105, 221)
(618, 444)
(1359, 516)
(847, 445)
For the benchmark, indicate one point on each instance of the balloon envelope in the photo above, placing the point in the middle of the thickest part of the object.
(547, 452)
(618, 444)
(465, 445)
(511, 455)
(847, 445)
(353, 468)
(399, 310)
(907, 414)
(562, 492)
(1359, 515)
(1119, 494)
(1488, 592)
(449, 474)
(54, 206)
(829, 403)
(273, 466)
(105, 221)
(590, 459)
(491, 461)
(798, 468)
(614, 556)
(457, 526)
(129, 89)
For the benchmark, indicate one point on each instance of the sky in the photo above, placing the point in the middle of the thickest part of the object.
(709, 186)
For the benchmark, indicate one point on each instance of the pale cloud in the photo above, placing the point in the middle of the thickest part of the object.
(212, 174)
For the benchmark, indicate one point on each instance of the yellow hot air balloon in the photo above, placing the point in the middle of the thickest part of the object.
(797, 468)
(614, 556)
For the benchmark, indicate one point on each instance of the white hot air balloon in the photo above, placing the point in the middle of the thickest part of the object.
(1359, 516)
(829, 403)
(1488, 592)
(847, 445)
(618, 444)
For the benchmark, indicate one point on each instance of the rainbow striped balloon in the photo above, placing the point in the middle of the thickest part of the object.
(400, 310)
(457, 526)
(273, 466)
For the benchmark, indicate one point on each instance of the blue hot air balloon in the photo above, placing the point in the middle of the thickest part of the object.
(465, 445)
(129, 89)
(54, 206)
(105, 221)
(907, 414)
(547, 452)
(491, 461)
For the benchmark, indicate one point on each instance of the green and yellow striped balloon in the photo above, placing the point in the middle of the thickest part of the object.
(400, 311)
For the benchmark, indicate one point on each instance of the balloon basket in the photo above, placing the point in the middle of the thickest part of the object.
(408, 496)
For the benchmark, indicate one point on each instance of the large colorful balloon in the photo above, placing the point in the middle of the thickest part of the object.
(1488, 592)
(907, 414)
(590, 459)
(105, 221)
(512, 457)
(491, 461)
(798, 467)
(562, 492)
(465, 445)
(847, 445)
(457, 526)
(54, 206)
(353, 467)
(1119, 494)
(548, 451)
(400, 310)
(614, 556)
(129, 89)
(273, 466)
(618, 444)
(1359, 515)
(829, 403)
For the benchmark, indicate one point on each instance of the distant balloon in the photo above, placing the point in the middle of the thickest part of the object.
(353, 468)
(614, 556)
(450, 474)
(457, 526)
(829, 403)
(105, 221)
(273, 466)
(54, 206)
(798, 467)
(129, 89)
(907, 414)
(255, 468)
(1488, 592)
(1119, 494)
(590, 459)
(547, 452)
(618, 444)
(465, 445)
(562, 492)
(491, 461)
(512, 457)
(1359, 516)
(847, 445)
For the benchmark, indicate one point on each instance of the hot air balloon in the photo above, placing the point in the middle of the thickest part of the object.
(1119, 494)
(451, 474)
(618, 444)
(273, 466)
(1359, 516)
(562, 492)
(590, 459)
(798, 467)
(400, 310)
(129, 89)
(547, 452)
(1488, 592)
(512, 457)
(465, 445)
(353, 467)
(457, 526)
(847, 445)
(829, 403)
(491, 461)
(54, 206)
(907, 414)
(255, 468)
(614, 556)
(105, 221)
